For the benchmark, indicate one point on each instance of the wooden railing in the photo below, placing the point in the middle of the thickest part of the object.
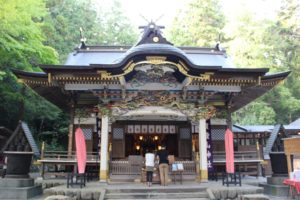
(189, 167)
(63, 155)
(245, 155)
(124, 167)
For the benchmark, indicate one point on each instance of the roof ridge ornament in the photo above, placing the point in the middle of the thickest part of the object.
(218, 45)
(152, 34)
(82, 40)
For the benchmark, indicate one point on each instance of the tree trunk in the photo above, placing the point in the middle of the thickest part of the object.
(22, 104)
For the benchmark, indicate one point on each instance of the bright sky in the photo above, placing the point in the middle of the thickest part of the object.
(165, 10)
(162, 11)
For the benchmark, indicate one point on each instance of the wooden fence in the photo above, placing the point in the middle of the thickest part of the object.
(124, 167)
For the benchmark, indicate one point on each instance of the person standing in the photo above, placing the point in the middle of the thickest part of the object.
(162, 155)
(149, 162)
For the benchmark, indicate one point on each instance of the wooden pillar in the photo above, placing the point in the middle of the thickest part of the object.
(228, 120)
(104, 149)
(203, 151)
(71, 129)
(289, 163)
(238, 141)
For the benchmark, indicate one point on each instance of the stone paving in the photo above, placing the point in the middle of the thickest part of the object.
(93, 190)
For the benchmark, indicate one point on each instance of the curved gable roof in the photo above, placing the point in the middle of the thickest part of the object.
(152, 42)
(197, 58)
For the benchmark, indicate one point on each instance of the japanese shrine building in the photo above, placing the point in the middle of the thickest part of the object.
(149, 95)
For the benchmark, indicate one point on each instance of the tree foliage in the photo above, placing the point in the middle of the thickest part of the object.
(276, 47)
(21, 38)
(252, 42)
(63, 22)
(257, 112)
(21, 47)
(199, 24)
(31, 33)
(104, 26)
(116, 27)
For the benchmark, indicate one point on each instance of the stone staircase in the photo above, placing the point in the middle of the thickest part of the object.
(157, 193)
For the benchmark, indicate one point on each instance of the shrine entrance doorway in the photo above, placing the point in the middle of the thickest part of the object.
(136, 138)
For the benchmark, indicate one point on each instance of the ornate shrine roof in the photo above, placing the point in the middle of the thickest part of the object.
(122, 73)
(105, 55)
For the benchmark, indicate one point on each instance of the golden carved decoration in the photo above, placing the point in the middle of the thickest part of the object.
(156, 60)
(184, 66)
(128, 69)
(104, 74)
(49, 77)
(205, 76)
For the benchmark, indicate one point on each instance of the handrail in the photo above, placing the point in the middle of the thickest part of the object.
(65, 152)
(58, 155)
(237, 152)
(245, 155)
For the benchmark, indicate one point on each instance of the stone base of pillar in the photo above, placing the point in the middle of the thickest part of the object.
(103, 175)
(203, 175)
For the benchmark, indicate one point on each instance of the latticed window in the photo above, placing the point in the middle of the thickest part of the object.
(185, 133)
(218, 134)
(118, 133)
(88, 133)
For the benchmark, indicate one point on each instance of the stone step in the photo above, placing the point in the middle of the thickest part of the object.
(168, 199)
(156, 190)
(20, 193)
(276, 180)
(156, 195)
(275, 190)
(16, 182)
(254, 197)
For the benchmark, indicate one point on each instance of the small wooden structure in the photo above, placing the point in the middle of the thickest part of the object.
(4, 136)
(19, 149)
(57, 163)
(291, 148)
(246, 162)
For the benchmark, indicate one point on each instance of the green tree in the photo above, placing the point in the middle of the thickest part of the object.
(273, 44)
(116, 27)
(63, 22)
(246, 42)
(251, 42)
(21, 41)
(257, 112)
(198, 24)
(30, 32)
(22, 46)
(104, 26)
